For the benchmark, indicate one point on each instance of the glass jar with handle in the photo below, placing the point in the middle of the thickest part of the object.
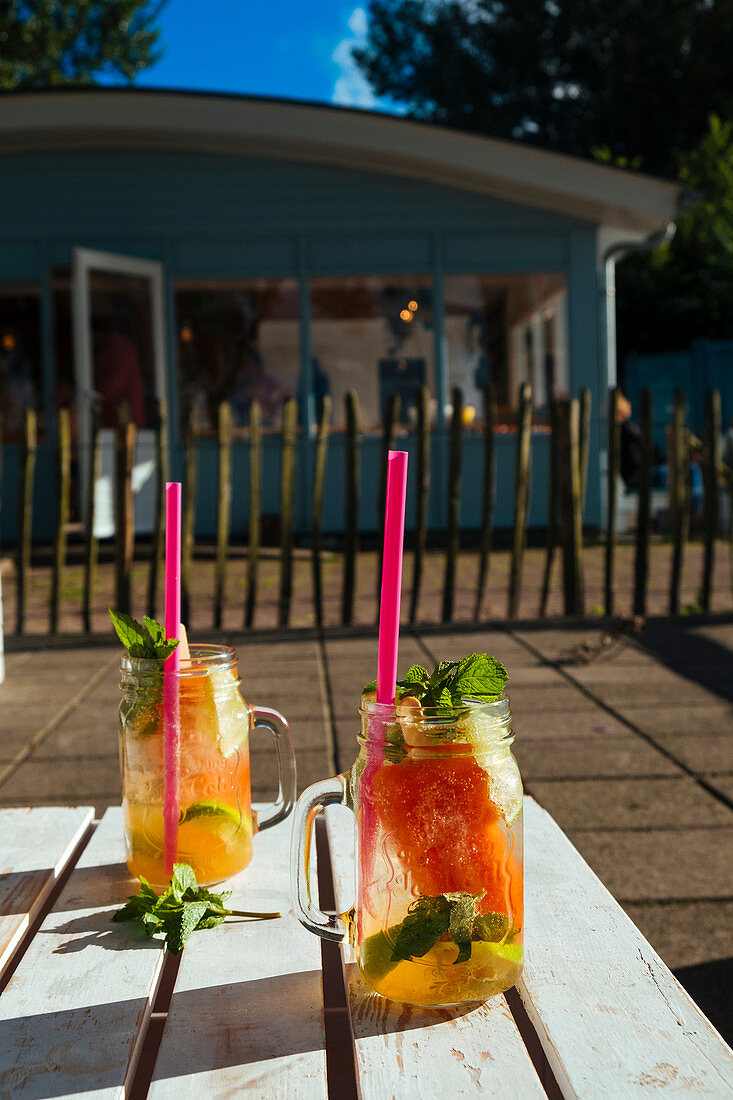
(438, 915)
(216, 822)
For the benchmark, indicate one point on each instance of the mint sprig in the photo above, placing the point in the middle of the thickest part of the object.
(182, 909)
(477, 677)
(429, 920)
(145, 640)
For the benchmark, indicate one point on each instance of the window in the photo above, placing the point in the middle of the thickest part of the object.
(507, 329)
(20, 357)
(372, 334)
(237, 341)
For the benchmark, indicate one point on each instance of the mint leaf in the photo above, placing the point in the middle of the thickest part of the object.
(179, 910)
(461, 924)
(131, 633)
(426, 922)
(183, 878)
(479, 676)
(490, 926)
(416, 674)
(368, 688)
(147, 642)
(183, 923)
(154, 629)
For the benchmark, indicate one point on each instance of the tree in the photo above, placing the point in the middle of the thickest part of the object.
(637, 76)
(685, 289)
(52, 43)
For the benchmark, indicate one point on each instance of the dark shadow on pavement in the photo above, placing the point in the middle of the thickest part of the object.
(710, 984)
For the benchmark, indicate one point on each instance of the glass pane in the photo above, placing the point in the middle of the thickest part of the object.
(122, 347)
(507, 329)
(20, 358)
(372, 334)
(237, 341)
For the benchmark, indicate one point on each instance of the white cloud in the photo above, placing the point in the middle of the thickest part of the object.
(352, 89)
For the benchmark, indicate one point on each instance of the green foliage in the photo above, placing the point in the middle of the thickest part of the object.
(428, 921)
(637, 76)
(143, 641)
(477, 676)
(53, 43)
(684, 290)
(180, 910)
(638, 84)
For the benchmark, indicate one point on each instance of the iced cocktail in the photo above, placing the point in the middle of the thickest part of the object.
(216, 822)
(438, 917)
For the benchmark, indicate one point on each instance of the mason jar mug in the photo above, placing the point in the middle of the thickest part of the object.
(438, 913)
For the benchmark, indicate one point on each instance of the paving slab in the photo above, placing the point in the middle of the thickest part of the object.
(554, 696)
(650, 692)
(660, 864)
(685, 719)
(724, 784)
(572, 758)
(704, 752)
(585, 722)
(631, 803)
(312, 765)
(686, 933)
(36, 780)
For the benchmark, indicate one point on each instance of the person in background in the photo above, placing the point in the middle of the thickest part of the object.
(118, 377)
(253, 383)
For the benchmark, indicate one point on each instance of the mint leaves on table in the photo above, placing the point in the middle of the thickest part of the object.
(451, 683)
(146, 640)
(430, 920)
(182, 909)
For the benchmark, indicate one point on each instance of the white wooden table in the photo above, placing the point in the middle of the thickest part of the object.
(90, 1008)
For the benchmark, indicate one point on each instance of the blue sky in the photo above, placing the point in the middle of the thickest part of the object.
(290, 48)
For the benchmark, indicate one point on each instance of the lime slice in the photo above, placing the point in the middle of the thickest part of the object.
(232, 713)
(211, 807)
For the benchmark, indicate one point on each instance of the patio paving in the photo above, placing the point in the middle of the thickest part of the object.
(631, 752)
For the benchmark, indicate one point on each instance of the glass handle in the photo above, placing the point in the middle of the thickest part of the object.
(272, 720)
(328, 792)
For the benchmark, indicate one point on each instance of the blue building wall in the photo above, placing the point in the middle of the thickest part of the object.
(705, 365)
(217, 216)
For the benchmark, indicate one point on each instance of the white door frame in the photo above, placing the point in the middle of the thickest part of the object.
(84, 261)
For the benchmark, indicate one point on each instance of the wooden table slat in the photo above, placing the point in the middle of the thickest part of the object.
(35, 847)
(74, 1013)
(247, 1010)
(612, 1019)
(426, 1053)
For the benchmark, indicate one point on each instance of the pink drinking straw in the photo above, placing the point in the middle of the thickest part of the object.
(171, 715)
(389, 608)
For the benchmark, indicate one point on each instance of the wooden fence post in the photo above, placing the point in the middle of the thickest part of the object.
(188, 520)
(584, 442)
(521, 496)
(63, 493)
(422, 492)
(124, 511)
(288, 437)
(643, 518)
(614, 465)
(569, 482)
(680, 503)
(91, 544)
(255, 509)
(453, 534)
(319, 474)
(710, 498)
(389, 425)
(161, 477)
(553, 497)
(488, 495)
(223, 508)
(351, 525)
(25, 515)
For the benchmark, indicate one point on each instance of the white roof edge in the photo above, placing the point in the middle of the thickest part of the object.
(632, 203)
